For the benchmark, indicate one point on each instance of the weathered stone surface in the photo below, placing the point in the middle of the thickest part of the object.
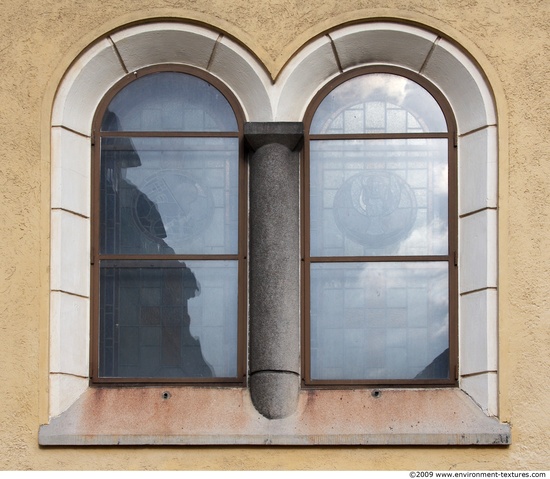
(274, 268)
(141, 416)
(275, 393)
(274, 259)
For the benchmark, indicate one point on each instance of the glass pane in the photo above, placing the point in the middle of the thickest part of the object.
(379, 321)
(168, 319)
(169, 101)
(378, 197)
(378, 103)
(169, 195)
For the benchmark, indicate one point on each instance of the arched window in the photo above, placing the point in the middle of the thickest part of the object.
(149, 250)
(167, 231)
(380, 236)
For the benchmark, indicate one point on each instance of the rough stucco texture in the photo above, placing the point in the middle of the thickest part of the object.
(37, 40)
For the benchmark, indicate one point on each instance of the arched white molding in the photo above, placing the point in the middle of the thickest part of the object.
(385, 43)
(127, 50)
(151, 44)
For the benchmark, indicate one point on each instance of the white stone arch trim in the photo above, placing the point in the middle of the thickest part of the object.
(389, 43)
(127, 50)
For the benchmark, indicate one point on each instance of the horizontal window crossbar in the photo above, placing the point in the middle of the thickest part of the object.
(375, 259)
(175, 257)
(354, 383)
(169, 134)
(117, 382)
(376, 136)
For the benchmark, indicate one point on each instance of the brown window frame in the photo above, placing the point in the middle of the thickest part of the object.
(452, 255)
(96, 256)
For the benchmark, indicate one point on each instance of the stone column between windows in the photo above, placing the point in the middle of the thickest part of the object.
(274, 266)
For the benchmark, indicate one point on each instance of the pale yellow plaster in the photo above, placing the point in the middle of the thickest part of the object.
(40, 38)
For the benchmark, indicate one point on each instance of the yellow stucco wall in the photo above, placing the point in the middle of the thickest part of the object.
(38, 41)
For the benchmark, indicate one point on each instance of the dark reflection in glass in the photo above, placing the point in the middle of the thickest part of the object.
(168, 319)
(170, 101)
(145, 324)
(438, 368)
(169, 195)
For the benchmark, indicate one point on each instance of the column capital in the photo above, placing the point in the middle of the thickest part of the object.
(286, 133)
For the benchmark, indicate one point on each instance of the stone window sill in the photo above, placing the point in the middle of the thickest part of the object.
(214, 416)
